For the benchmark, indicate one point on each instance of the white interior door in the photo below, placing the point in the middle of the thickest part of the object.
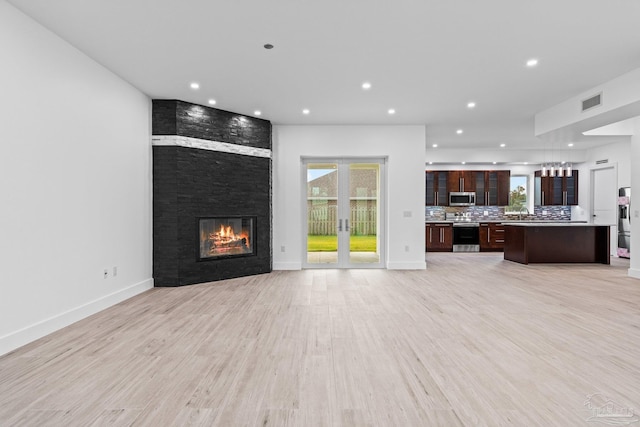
(604, 200)
(343, 208)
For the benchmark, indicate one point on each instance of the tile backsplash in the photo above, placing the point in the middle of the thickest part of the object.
(488, 213)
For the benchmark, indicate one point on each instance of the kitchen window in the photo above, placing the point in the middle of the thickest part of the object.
(517, 193)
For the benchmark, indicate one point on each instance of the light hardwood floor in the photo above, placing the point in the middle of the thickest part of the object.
(473, 340)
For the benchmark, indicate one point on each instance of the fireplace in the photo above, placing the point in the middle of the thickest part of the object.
(226, 237)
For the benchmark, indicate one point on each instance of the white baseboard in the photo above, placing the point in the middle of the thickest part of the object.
(44, 327)
(287, 266)
(634, 273)
(419, 265)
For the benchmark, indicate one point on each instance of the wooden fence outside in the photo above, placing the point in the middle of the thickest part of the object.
(323, 219)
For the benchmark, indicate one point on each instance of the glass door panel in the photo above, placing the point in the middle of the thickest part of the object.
(364, 183)
(322, 213)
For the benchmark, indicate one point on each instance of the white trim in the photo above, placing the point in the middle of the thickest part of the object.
(38, 330)
(287, 266)
(407, 265)
(635, 273)
(204, 144)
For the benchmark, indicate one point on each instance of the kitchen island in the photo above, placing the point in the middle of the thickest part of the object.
(556, 243)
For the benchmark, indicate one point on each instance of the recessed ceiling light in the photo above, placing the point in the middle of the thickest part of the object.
(430, 163)
(268, 46)
(212, 102)
(435, 145)
(464, 163)
(257, 112)
(306, 111)
(391, 111)
(503, 145)
(495, 163)
(532, 62)
(471, 105)
(570, 144)
(526, 163)
(195, 85)
(366, 85)
(459, 131)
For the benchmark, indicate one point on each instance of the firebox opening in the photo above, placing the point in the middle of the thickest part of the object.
(223, 237)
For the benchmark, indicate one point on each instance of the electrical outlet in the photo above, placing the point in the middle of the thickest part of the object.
(486, 213)
(282, 248)
(115, 271)
(407, 214)
(544, 213)
(431, 213)
(406, 248)
(106, 273)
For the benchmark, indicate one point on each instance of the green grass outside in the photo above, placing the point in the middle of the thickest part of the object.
(330, 243)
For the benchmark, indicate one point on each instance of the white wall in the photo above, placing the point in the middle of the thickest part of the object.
(404, 146)
(618, 155)
(75, 180)
(634, 270)
(620, 101)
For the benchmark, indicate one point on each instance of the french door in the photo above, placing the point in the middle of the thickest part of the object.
(343, 213)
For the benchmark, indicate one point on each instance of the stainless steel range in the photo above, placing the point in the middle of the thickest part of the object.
(466, 233)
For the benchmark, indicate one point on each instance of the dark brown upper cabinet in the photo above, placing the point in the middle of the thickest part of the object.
(436, 192)
(556, 190)
(492, 188)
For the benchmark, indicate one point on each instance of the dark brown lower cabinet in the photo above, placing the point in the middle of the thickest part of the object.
(491, 237)
(439, 237)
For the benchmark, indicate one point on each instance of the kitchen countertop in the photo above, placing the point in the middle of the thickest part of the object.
(556, 224)
(508, 221)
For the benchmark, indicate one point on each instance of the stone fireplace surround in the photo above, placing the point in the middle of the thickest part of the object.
(207, 163)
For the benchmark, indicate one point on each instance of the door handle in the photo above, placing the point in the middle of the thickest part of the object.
(339, 225)
(346, 225)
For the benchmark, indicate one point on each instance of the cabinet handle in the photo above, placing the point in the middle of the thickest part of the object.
(430, 239)
(442, 235)
(488, 235)
(486, 200)
(436, 198)
(346, 225)
(339, 225)
(543, 198)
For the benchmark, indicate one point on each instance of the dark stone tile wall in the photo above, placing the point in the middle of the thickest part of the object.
(163, 117)
(165, 216)
(192, 183)
(197, 121)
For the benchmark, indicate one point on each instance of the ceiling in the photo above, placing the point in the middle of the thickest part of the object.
(426, 59)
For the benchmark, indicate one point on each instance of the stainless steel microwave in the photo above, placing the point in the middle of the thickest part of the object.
(462, 198)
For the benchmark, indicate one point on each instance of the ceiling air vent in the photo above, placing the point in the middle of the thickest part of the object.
(601, 162)
(592, 102)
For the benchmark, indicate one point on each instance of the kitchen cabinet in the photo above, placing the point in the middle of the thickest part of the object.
(439, 237)
(556, 190)
(436, 193)
(492, 188)
(491, 236)
(462, 181)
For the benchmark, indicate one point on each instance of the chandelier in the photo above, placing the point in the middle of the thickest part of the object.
(556, 169)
